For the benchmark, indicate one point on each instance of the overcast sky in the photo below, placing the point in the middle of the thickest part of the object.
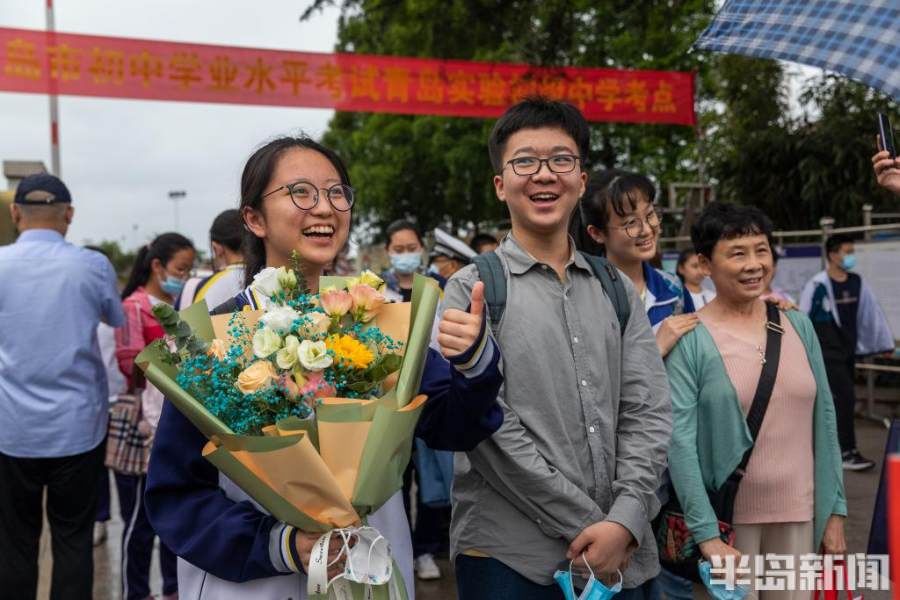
(120, 157)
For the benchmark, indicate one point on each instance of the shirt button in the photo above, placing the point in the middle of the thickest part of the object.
(575, 339)
(591, 429)
(584, 383)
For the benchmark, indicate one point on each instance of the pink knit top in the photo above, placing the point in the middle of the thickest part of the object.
(778, 485)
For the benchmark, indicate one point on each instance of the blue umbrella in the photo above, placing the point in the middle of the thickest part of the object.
(857, 38)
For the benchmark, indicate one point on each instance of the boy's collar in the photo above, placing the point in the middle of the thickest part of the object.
(521, 261)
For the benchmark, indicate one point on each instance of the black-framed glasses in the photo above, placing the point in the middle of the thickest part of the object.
(305, 195)
(529, 165)
(633, 226)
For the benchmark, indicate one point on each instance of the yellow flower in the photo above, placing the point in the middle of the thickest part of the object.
(371, 279)
(349, 351)
(256, 376)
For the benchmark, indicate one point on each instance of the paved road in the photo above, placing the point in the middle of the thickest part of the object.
(861, 489)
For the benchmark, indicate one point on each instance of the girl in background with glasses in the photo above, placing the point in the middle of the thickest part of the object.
(617, 217)
(296, 197)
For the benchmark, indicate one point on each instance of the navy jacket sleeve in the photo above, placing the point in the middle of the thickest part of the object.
(193, 516)
(462, 408)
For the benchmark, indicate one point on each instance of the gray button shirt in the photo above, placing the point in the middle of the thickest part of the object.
(587, 421)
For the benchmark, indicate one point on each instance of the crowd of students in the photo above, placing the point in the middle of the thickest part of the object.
(582, 396)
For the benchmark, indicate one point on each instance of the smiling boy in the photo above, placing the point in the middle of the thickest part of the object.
(574, 468)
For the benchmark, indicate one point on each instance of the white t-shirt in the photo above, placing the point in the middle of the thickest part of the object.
(702, 299)
(221, 287)
(106, 337)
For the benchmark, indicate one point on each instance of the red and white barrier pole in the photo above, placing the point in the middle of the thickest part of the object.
(55, 167)
(893, 514)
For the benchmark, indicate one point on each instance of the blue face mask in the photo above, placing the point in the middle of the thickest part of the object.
(720, 591)
(172, 285)
(848, 263)
(594, 590)
(408, 262)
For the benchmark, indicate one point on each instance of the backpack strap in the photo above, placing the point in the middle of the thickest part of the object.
(613, 286)
(490, 271)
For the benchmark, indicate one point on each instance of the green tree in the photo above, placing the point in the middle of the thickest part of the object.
(435, 168)
(121, 260)
(797, 167)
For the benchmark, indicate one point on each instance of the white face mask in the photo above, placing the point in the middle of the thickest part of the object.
(368, 562)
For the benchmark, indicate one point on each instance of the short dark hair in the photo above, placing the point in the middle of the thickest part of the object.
(834, 242)
(535, 112)
(401, 225)
(481, 239)
(726, 221)
(228, 229)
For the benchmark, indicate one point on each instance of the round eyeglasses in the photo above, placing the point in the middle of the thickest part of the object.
(634, 226)
(529, 165)
(305, 195)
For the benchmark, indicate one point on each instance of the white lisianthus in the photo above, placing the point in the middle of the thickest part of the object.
(314, 356)
(288, 356)
(280, 318)
(265, 342)
(266, 281)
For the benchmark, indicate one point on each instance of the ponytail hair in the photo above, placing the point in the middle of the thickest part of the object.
(254, 181)
(164, 248)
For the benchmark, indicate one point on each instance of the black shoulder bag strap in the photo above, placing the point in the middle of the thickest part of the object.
(774, 330)
(490, 271)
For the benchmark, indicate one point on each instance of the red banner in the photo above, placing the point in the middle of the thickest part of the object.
(86, 65)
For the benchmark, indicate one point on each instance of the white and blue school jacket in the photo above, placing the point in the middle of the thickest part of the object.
(664, 296)
(873, 332)
(230, 548)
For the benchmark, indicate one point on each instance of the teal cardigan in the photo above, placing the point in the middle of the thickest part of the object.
(710, 434)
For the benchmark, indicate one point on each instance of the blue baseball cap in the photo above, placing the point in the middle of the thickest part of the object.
(42, 188)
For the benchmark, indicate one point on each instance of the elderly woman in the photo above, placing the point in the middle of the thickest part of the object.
(790, 500)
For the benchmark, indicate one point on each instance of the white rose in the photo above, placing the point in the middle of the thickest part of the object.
(313, 355)
(266, 281)
(265, 342)
(280, 318)
(288, 356)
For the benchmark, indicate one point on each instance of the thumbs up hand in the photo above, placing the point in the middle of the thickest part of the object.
(458, 330)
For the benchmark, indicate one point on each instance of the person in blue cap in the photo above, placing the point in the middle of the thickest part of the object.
(53, 392)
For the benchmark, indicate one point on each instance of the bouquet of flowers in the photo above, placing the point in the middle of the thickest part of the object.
(309, 404)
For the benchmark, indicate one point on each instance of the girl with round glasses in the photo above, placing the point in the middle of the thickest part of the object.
(617, 217)
(296, 197)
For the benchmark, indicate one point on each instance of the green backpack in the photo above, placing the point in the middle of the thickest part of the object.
(490, 271)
